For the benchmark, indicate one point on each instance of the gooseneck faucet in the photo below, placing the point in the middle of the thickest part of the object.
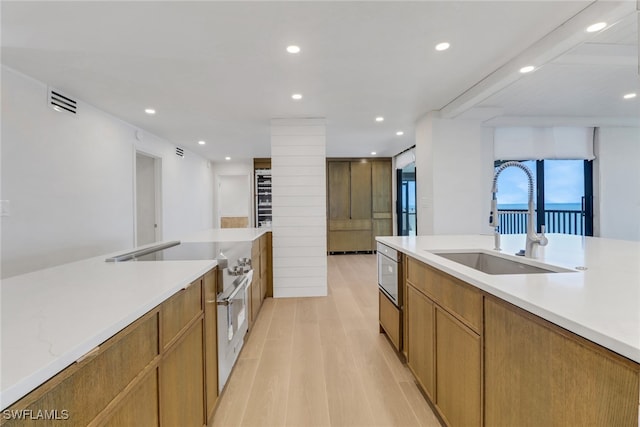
(533, 239)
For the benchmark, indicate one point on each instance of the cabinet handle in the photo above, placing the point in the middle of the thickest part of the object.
(91, 353)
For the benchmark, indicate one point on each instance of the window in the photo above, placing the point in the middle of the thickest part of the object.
(563, 197)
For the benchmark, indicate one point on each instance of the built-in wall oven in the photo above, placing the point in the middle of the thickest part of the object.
(389, 273)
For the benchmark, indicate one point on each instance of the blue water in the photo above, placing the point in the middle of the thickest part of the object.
(548, 206)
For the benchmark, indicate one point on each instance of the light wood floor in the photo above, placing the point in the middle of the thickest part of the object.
(322, 361)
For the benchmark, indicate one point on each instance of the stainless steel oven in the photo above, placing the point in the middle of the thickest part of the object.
(233, 312)
(389, 273)
(232, 296)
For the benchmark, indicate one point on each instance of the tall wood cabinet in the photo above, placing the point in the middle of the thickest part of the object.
(359, 205)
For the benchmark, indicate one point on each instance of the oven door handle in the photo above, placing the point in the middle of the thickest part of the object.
(228, 300)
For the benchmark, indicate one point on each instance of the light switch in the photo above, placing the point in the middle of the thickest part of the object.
(5, 208)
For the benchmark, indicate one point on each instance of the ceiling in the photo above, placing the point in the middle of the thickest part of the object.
(219, 71)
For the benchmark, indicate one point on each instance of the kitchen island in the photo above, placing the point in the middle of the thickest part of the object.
(58, 316)
(550, 347)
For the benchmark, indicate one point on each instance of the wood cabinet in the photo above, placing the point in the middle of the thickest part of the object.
(159, 371)
(260, 285)
(382, 202)
(420, 339)
(140, 408)
(458, 371)
(483, 361)
(182, 380)
(113, 366)
(444, 346)
(389, 319)
(255, 297)
(358, 203)
(537, 373)
(265, 266)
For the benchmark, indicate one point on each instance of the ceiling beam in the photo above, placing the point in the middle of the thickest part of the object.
(558, 42)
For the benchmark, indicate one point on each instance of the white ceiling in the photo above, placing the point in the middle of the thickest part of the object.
(218, 71)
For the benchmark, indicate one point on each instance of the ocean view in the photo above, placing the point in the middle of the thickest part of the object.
(549, 206)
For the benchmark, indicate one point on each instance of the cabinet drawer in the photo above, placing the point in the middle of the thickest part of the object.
(459, 298)
(84, 389)
(179, 310)
(389, 319)
(349, 224)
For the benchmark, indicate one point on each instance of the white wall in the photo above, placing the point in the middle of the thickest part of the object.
(221, 170)
(70, 181)
(454, 167)
(617, 198)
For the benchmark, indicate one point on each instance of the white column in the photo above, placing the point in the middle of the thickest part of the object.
(298, 171)
(454, 165)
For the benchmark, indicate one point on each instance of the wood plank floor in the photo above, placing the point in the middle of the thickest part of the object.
(323, 362)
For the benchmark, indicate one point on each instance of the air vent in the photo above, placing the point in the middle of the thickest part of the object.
(60, 102)
(180, 152)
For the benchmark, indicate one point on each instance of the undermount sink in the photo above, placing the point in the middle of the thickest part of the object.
(493, 264)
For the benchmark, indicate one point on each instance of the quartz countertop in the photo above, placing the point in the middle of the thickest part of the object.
(226, 235)
(600, 303)
(50, 318)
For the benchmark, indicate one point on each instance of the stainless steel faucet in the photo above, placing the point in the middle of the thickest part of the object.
(533, 239)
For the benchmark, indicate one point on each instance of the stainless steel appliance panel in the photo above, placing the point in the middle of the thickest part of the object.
(389, 272)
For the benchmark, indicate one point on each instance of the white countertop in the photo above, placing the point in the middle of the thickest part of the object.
(601, 303)
(52, 317)
(226, 235)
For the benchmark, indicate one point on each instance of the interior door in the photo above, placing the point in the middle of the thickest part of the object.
(146, 199)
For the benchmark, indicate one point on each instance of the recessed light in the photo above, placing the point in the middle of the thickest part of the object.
(630, 96)
(296, 96)
(527, 69)
(293, 49)
(379, 119)
(399, 133)
(227, 158)
(150, 111)
(443, 46)
(201, 142)
(596, 27)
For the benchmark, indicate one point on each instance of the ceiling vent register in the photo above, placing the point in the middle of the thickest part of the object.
(180, 152)
(62, 103)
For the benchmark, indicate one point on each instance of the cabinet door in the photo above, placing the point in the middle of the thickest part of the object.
(360, 190)
(458, 370)
(539, 374)
(210, 340)
(381, 186)
(389, 319)
(140, 407)
(264, 255)
(182, 381)
(420, 339)
(256, 299)
(339, 182)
